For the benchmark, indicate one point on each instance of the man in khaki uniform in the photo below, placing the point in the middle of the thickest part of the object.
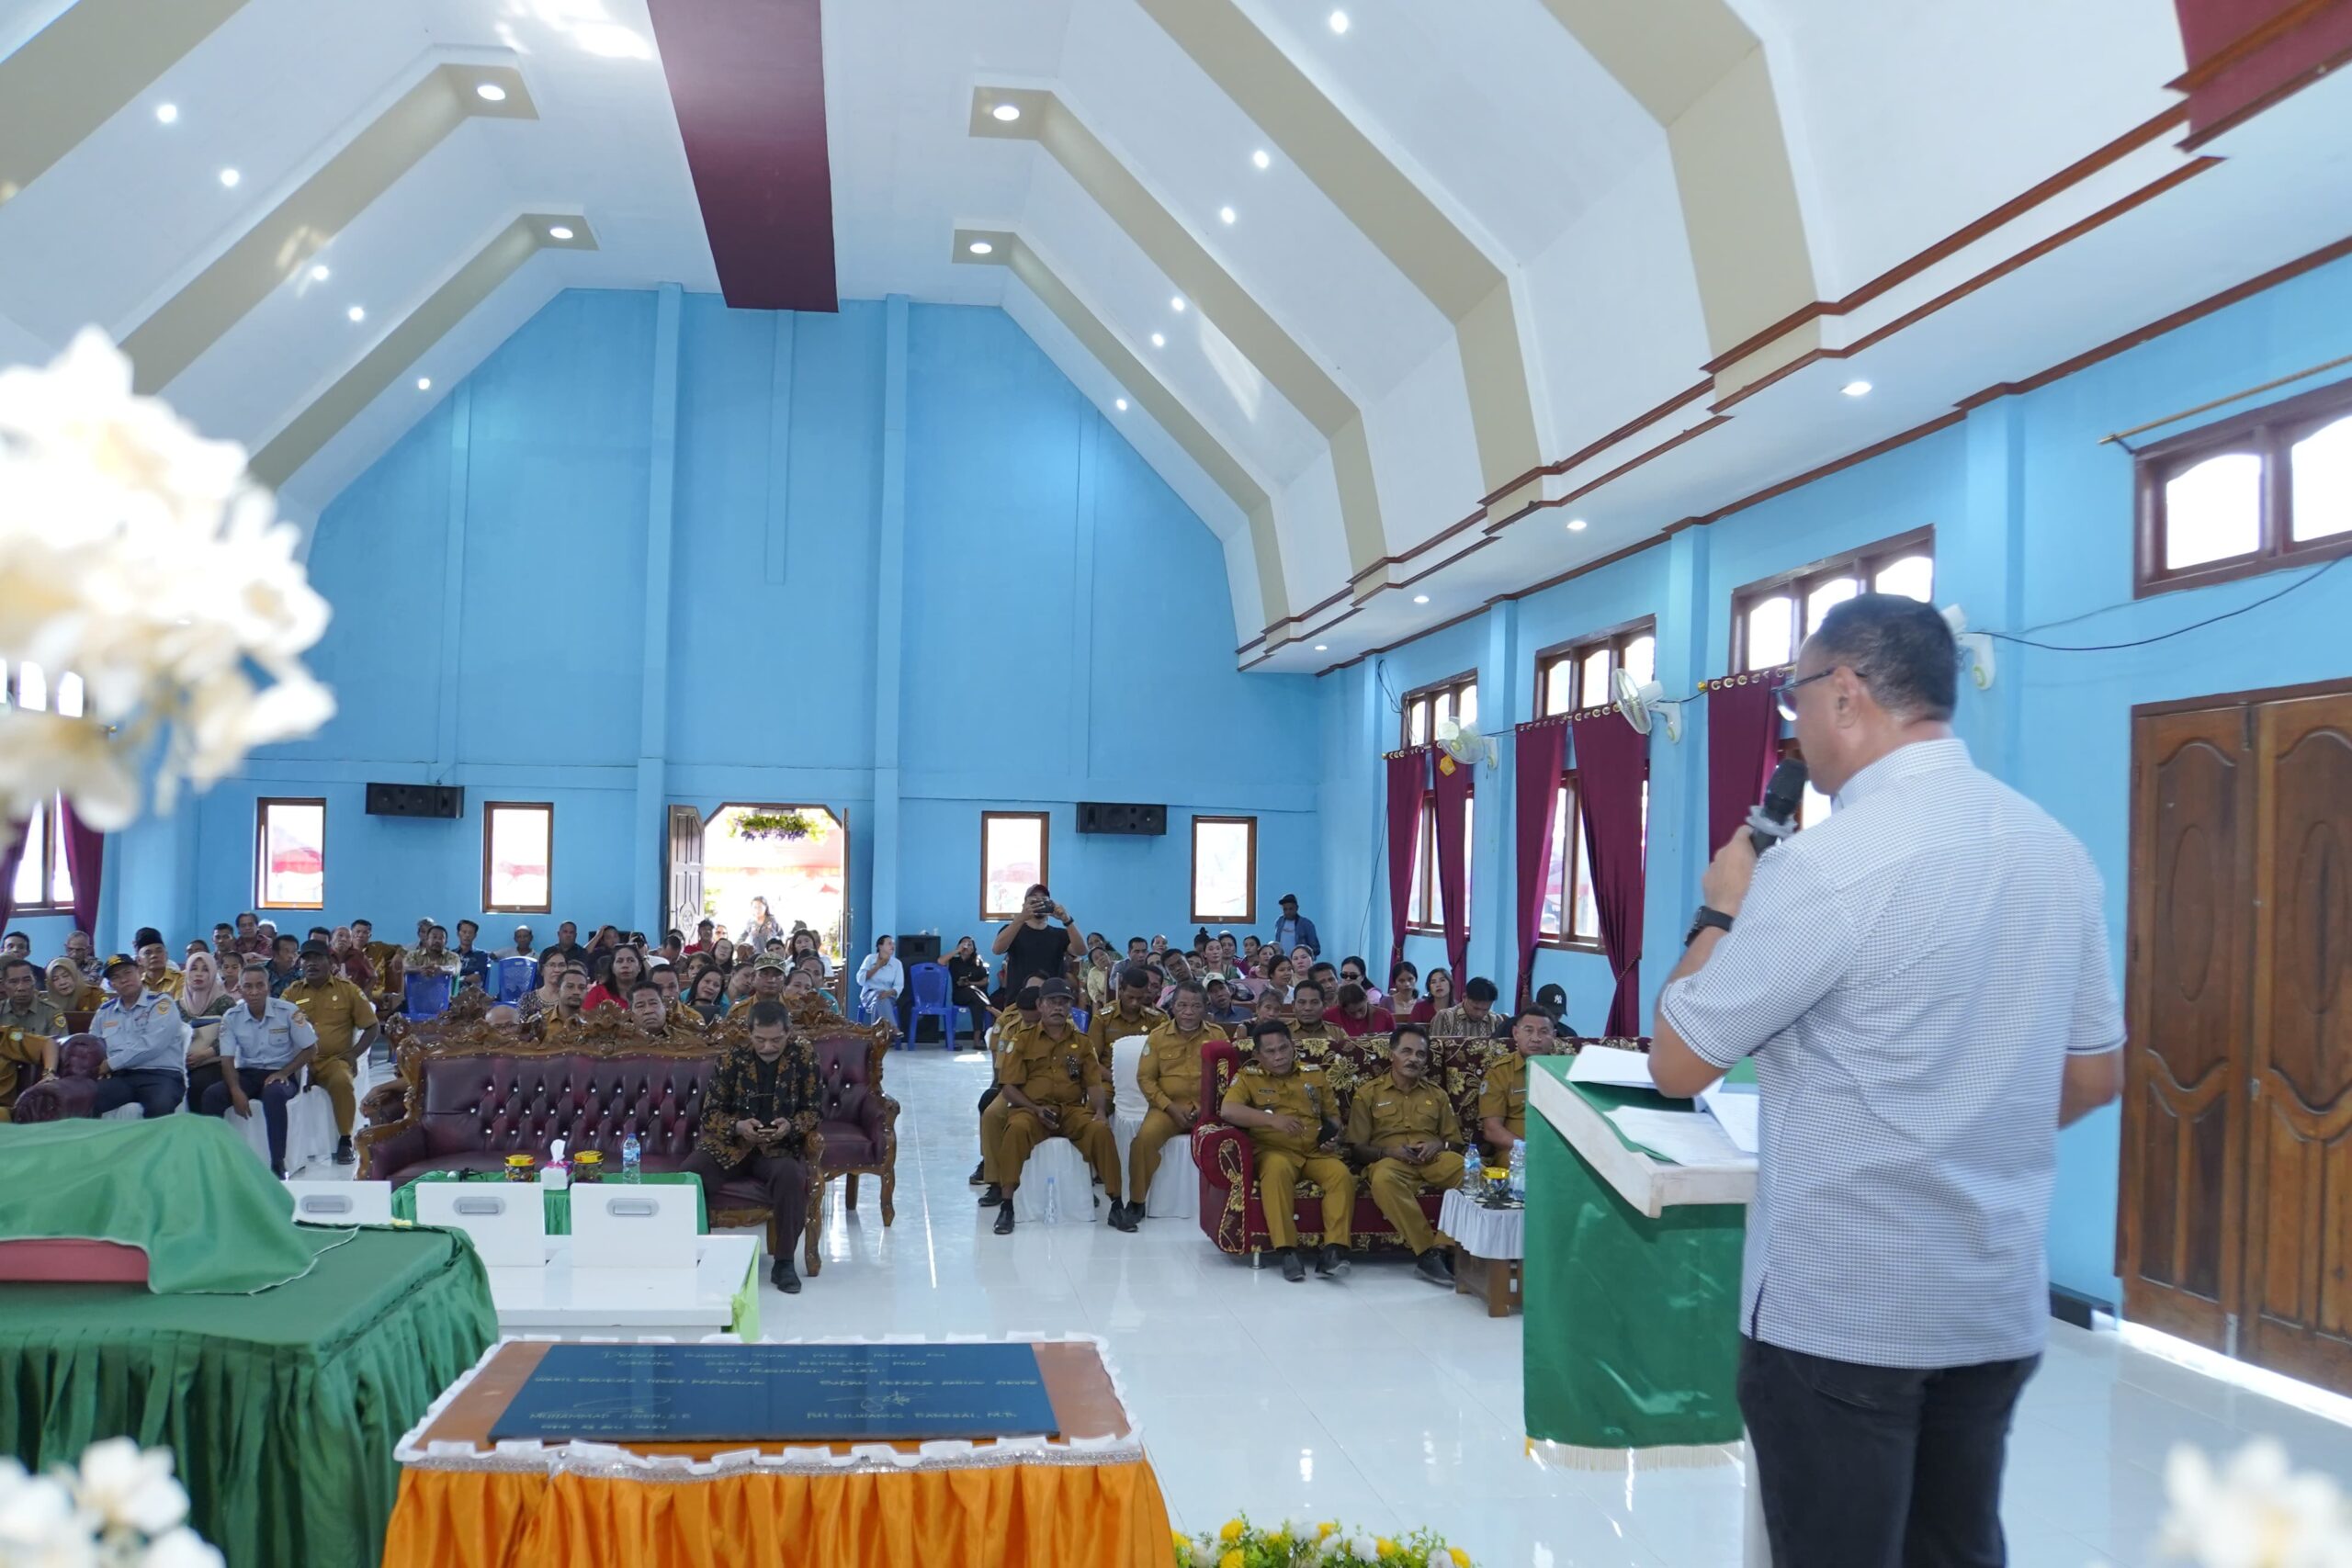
(1132, 1014)
(344, 1020)
(1502, 1099)
(1169, 1076)
(1405, 1126)
(1284, 1108)
(1055, 1087)
(1013, 1022)
(1310, 1035)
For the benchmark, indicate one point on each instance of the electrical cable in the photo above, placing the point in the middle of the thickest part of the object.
(2308, 577)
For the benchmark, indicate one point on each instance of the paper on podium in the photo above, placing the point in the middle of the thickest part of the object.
(1737, 1110)
(1608, 1065)
(1686, 1137)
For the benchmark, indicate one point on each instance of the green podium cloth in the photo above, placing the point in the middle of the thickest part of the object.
(282, 1409)
(173, 1186)
(559, 1199)
(1632, 1324)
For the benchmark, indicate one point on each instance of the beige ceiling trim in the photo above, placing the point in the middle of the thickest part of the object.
(1008, 250)
(314, 427)
(1416, 234)
(80, 71)
(1278, 357)
(1704, 76)
(281, 243)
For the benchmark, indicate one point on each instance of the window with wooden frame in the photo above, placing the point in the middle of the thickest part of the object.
(1012, 859)
(1570, 916)
(517, 857)
(44, 883)
(2255, 493)
(1426, 909)
(1225, 870)
(1770, 619)
(1575, 674)
(289, 853)
(1424, 707)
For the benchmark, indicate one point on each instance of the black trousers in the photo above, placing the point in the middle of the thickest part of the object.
(273, 1098)
(157, 1091)
(785, 1176)
(1872, 1467)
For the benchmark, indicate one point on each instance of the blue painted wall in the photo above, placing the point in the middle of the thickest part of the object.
(2033, 523)
(1064, 628)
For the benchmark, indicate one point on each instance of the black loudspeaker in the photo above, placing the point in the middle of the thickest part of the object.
(918, 947)
(1103, 816)
(447, 801)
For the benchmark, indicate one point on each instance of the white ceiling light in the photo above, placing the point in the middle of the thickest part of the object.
(424, 383)
(490, 91)
(1420, 598)
(357, 313)
(1177, 304)
(318, 274)
(981, 248)
(559, 232)
(167, 114)
(1339, 21)
(1855, 389)
(1322, 647)
(1158, 340)
(230, 177)
(1577, 524)
(1121, 405)
(1226, 213)
(1262, 158)
(1007, 112)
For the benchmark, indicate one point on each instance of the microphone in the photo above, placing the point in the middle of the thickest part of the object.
(1776, 818)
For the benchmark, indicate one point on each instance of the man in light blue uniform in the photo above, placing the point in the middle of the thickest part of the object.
(266, 1042)
(146, 1039)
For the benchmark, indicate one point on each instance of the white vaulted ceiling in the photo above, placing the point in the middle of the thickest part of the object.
(1505, 263)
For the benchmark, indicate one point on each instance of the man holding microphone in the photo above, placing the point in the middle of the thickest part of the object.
(1925, 984)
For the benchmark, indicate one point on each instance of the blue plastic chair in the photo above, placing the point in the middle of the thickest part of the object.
(514, 979)
(934, 996)
(425, 996)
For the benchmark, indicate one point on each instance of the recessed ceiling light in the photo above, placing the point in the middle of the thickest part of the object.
(1339, 21)
(167, 114)
(1577, 524)
(357, 313)
(490, 91)
(1121, 405)
(1177, 304)
(230, 177)
(1007, 112)
(981, 248)
(1158, 340)
(424, 383)
(1855, 389)
(1420, 598)
(1322, 647)
(559, 232)
(1263, 159)
(1226, 213)
(320, 274)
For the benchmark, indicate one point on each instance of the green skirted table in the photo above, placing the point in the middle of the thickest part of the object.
(559, 1199)
(281, 1408)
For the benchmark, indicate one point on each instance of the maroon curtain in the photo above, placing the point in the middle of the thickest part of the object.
(16, 853)
(1541, 748)
(1453, 790)
(1611, 763)
(1408, 772)
(1743, 742)
(86, 859)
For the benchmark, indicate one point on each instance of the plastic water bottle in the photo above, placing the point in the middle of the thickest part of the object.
(1518, 1170)
(632, 1152)
(1473, 1169)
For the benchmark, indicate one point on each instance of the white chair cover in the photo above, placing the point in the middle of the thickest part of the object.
(1057, 1187)
(1175, 1186)
(310, 1128)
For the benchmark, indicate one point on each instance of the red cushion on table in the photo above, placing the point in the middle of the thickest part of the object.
(72, 1260)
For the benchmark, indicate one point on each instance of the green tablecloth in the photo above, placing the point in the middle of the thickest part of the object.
(559, 1199)
(281, 1408)
(1632, 1324)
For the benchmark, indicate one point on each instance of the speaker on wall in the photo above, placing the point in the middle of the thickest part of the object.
(1105, 817)
(447, 801)
(918, 947)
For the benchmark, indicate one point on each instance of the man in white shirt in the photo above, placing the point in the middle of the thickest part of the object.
(1925, 984)
(265, 1045)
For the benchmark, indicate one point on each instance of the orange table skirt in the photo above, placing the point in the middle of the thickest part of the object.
(1015, 1516)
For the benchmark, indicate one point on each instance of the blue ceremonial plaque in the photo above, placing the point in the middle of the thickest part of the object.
(720, 1393)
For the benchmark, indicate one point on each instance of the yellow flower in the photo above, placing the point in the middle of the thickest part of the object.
(1382, 1546)
(1461, 1558)
(1230, 1559)
(1326, 1529)
(1232, 1531)
(1184, 1543)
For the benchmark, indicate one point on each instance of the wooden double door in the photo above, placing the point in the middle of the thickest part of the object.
(2235, 1226)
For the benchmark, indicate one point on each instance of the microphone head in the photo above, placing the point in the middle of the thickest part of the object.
(1770, 823)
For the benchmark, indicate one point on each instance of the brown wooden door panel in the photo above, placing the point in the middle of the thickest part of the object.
(2181, 1185)
(2299, 1204)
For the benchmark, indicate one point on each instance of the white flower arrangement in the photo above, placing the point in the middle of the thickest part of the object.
(2255, 1512)
(139, 557)
(120, 1508)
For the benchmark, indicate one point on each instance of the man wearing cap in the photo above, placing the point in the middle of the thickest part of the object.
(767, 983)
(1295, 929)
(1291, 1117)
(1017, 1019)
(1221, 1009)
(146, 1042)
(1169, 1076)
(265, 1043)
(344, 1023)
(706, 933)
(156, 971)
(1056, 1086)
(1131, 1013)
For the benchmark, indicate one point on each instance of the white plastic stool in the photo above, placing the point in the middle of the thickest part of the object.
(1057, 1187)
(1176, 1186)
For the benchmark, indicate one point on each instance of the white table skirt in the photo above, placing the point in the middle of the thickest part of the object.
(1483, 1231)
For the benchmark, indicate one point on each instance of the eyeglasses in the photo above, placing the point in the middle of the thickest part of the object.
(1786, 695)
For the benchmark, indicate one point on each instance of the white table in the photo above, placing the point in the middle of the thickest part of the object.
(1494, 1239)
(683, 1303)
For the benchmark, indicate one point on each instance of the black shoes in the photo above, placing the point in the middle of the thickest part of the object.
(1123, 1218)
(980, 1174)
(1294, 1269)
(1004, 1218)
(342, 1155)
(1434, 1267)
(991, 1193)
(782, 1278)
(1331, 1263)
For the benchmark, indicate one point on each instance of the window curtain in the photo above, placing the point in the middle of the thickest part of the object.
(8, 862)
(1408, 772)
(1611, 763)
(1453, 790)
(1743, 742)
(1541, 750)
(86, 855)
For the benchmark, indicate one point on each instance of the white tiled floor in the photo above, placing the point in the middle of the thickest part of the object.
(1388, 1403)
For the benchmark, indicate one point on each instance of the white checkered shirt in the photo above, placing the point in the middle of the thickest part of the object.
(1910, 977)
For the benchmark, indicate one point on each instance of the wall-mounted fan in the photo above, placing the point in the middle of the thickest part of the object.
(1464, 743)
(1642, 702)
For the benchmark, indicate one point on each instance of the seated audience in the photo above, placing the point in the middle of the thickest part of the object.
(285, 962)
(1310, 1032)
(801, 985)
(665, 980)
(156, 971)
(626, 969)
(673, 950)
(345, 1019)
(473, 963)
(570, 1003)
(250, 943)
(1355, 1017)
(1352, 973)
(505, 1018)
(1101, 978)
(567, 943)
(16, 944)
(1222, 1009)
(525, 944)
(1019, 1016)
(77, 948)
(968, 980)
(1404, 1127)
(26, 1058)
(761, 982)
(1130, 1012)
(1404, 994)
(202, 993)
(350, 958)
(1288, 1113)
(650, 1012)
(1170, 1079)
(1502, 1099)
(1055, 1083)
(1437, 995)
(224, 948)
(383, 957)
(756, 1117)
(71, 989)
(881, 978)
(710, 994)
(706, 933)
(264, 1042)
(23, 1009)
(146, 1041)
(739, 985)
(431, 955)
(803, 943)
(1473, 1020)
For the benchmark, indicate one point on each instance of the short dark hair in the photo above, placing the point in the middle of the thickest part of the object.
(221, 926)
(1902, 650)
(1324, 966)
(770, 1015)
(642, 988)
(1480, 990)
(1402, 1030)
(1135, 975)
(436, 926)
(1530, 1011)
(10, 966)
(320, 932)
(1193, 986)
(1315, 986)
(1265, 1026)
(284, 937)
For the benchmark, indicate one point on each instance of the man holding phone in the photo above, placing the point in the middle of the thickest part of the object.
(1035, 948)
(756, 1116)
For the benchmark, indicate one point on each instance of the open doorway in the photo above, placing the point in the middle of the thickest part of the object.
(791, 860)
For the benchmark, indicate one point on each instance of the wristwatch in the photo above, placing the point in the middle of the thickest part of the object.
(1704, 919)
